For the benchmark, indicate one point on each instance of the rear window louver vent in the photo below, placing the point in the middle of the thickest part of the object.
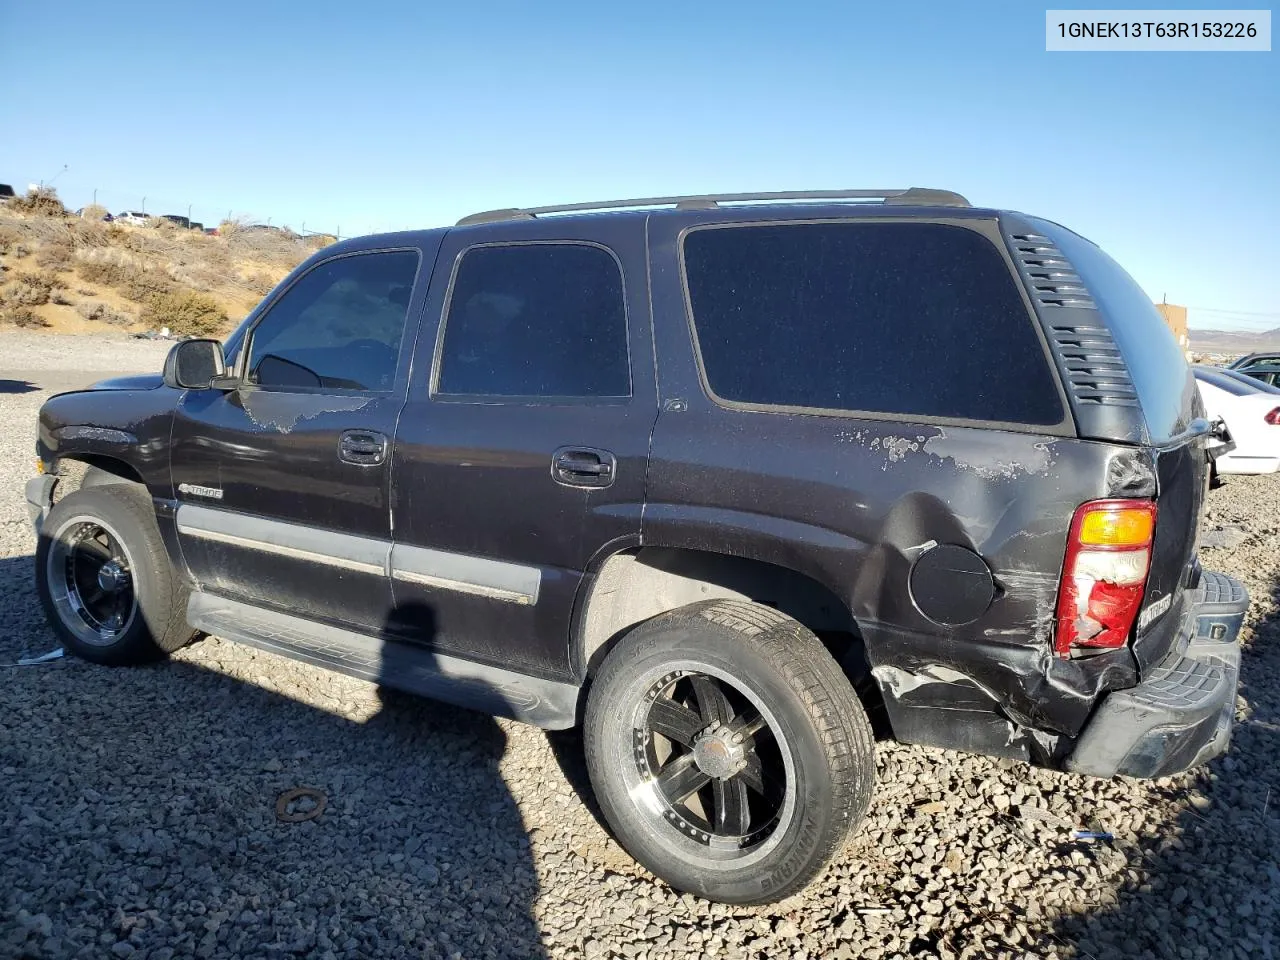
(1095, 371)
(1054, 282)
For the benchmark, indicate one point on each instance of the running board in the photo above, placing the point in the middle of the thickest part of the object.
(476, 686)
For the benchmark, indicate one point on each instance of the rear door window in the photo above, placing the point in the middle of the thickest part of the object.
(536, 320)
(907, 319)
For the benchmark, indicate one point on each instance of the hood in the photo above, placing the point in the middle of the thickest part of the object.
(139, 381)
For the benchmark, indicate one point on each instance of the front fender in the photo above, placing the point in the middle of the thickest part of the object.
(128, 427)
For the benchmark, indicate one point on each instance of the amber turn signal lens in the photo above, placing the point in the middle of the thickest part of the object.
(1118, 526)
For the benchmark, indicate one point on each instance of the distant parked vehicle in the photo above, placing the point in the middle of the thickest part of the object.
(1251, 411)
(183, 222)
(6, 192)
(211, 231)
(133, 218)
(195, 225)
(1264, 367)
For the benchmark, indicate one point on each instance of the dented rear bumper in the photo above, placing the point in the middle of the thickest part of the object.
(1180, 715)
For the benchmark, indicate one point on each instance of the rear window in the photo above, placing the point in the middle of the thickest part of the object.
(911, 319)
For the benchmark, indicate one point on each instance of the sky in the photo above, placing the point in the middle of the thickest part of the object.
(370, 116)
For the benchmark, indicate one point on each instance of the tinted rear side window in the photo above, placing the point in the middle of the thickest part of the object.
(536, 320)
(913, 319)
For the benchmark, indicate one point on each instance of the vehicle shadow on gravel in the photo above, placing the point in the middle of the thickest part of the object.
(17, 386)
(1177, 881)
(138, 807)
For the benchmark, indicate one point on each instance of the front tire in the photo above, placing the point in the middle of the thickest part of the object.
(105, 580)
(728, 751)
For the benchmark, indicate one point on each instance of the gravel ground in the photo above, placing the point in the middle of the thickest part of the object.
(137, 807)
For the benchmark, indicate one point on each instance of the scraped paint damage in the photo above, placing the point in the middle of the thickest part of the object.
(283, 411)
(989, 455)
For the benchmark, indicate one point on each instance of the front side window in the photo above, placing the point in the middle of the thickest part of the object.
(339, 327)
(908, 319)
(536, 320)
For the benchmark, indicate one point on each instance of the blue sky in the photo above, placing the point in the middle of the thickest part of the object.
(377, 115)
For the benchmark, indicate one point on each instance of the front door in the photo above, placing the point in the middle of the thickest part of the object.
(522, 450)
(282, 483)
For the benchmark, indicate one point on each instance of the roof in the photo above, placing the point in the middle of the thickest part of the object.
(911, 196)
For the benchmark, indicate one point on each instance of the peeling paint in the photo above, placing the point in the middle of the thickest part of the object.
(283, 411)
(988, 455)
(100, 434)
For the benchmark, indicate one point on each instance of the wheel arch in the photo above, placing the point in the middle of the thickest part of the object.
(101, 469)
(629, 586)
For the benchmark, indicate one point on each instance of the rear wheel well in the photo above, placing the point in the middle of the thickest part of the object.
(635, 585)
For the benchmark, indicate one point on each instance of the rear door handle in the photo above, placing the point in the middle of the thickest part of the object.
(366, 448)
(583, 467)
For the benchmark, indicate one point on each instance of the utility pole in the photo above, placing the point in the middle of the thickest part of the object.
(144, 205)
(95, 196)
(55, 177)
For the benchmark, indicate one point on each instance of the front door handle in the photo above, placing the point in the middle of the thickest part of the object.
(583, 467)
(366, 448)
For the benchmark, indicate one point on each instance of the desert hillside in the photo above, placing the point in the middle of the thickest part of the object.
(67, 274)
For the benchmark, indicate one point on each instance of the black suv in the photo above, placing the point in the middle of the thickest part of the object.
(731, 481)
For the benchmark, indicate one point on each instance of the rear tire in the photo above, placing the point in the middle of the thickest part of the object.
(105, 580)
(748, 819)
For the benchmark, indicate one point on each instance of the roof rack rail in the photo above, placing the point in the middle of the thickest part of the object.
(919, 196)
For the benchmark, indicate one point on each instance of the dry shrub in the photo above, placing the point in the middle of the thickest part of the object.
(55, 256)
(160, 223)
(132, 279)
(41, 203)
(106, 272)
(145, 285)
(94, 212)
(186, 312)
(31, 289)
(9, 238)
(102, 313)
(260, 283)
(22, 317)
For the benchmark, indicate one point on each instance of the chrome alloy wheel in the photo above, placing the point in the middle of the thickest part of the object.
(89, 573)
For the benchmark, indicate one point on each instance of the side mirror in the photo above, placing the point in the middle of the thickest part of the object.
(194, 364)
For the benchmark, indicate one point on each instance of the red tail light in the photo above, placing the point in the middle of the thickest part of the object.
(1104, 575)
(1273, 417)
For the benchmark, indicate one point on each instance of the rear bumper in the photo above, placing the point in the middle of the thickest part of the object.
(1180, 716)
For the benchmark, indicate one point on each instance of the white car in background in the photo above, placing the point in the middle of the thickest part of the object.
(133, 218)
(1251, 411)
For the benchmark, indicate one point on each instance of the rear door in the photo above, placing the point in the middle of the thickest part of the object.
(282, 483)
(522, 450)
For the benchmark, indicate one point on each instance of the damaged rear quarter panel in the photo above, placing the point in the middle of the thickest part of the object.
(853, 503)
